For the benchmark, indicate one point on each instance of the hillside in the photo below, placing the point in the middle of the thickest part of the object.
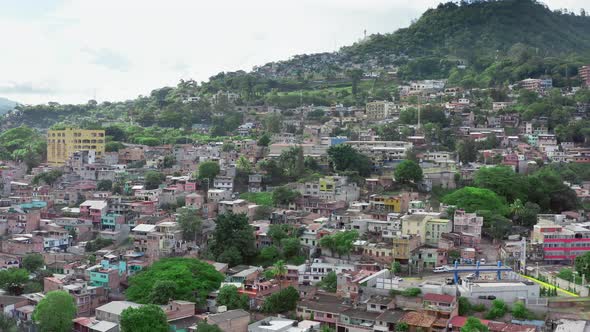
(474, 45)
(485, 26)
(6, 105)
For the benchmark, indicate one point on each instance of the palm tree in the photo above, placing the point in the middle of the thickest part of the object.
(516, 209)
(279, 269)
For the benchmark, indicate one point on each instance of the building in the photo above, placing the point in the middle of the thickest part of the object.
(560, 242)
(231, 321)
(381, 110)
(584, 73)
(468, 224)
(539, 85)
(278, 324)
(507, 290)
(111, 312)
(63, 143)
(331, 188)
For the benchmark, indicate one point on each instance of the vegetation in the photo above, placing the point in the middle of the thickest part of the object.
(230, 297)
(412, 292)
(345, 158)
(282, 301)
(13, 280)
(194, 279)
(143, 319)
(233, 239)
(33, 262)
(519, 311)
(472, 199)
(55, 312)
(261, 198)
(204, 327)
(329, 283)
(48, 178)
(408, 171)
(474, 325)
(208, 170)
(497, 310)
(97, 244)
(190, 223)
(7, 323)
(283, 196)
(153, 179)
(340, 243)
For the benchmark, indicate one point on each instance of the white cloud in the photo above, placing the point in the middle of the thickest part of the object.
(120, 49)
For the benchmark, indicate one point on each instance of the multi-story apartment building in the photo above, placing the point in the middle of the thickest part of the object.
(537, 84)
(561, 242)
(62, 143)
(331, 188)
(381, 110)
(584, 73)
(468, 223)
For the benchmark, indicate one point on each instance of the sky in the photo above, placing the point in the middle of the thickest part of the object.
(112, 50)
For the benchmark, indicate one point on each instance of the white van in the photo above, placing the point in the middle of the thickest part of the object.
(440, 269)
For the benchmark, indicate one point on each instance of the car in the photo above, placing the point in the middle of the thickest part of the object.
(470, 276)
(491, 297)
(483, 260)
(440, 269)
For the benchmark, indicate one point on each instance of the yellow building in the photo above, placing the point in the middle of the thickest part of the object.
(62, 143)
(385, 203)
(416, 224)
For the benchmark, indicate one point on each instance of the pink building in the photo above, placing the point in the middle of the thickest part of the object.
(93, 210)
(469, 224)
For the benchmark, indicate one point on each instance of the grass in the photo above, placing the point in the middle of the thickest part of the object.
(262, 198)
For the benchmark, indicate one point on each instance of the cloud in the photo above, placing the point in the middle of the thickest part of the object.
(72, 50)
(108, 58)
(11, 87)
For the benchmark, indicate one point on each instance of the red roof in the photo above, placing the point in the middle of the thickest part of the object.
(459, 321)
(440, 298)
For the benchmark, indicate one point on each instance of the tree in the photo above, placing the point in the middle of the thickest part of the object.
(497, 310)
(396, 267)
(273, 123)
(113, 146)
(464, 306)
(163, 291)
(13, 280)
(55, 312)
(346, 158)
(516, 209)
(412, 292)
(233, 239)
(472, 199)
(205, 327)
(7, 323)
(283, 195)
(408, 171)
(279, 270)
(474, 325)
(264, 140)
(402, 327)
(291, 247)
(281, 301)
(208, 170)
(582, 265)
(467, 151)
(339, 242)
(33, 262)
(519, 311)
(153, 179)
(503, 181)
(243, 164)
(146, 318)
(190, 224)
(277, 233)
(292, 162)
(268, 255)
(330, 282)
(194, 280)
(230, 297)
(104, 185)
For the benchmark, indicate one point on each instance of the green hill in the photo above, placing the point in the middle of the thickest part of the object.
(484, 26)
(6, 105)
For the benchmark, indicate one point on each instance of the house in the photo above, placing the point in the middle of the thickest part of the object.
(418, 321)
(231, 321)
(111, 312)
(278, 324)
